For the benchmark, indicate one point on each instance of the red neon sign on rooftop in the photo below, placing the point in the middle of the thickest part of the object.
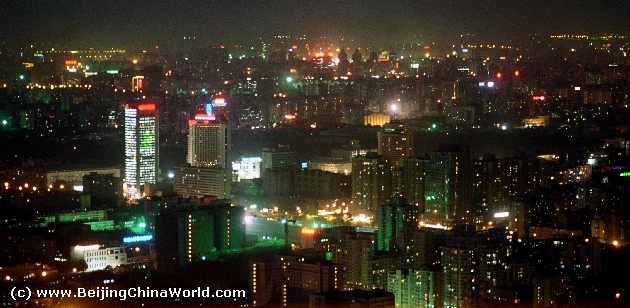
(146, 107)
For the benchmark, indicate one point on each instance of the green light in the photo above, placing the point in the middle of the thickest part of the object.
(21, 77)
(329, 255)
(433, 125)
(4, 122)
(289, 79)
(625, 173)
(315, 226)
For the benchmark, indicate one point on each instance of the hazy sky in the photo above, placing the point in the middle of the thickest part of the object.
(123, 23)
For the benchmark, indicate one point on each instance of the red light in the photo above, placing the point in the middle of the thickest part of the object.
(146, 107)
(308, 231)
(499, 75)
(517, 73)
(618, 295)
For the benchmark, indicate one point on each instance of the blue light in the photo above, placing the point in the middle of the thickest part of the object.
(138, 238)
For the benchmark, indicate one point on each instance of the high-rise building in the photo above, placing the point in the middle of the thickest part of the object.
(395, 143)
(190, 232)
(414, 288)
(394, 219)
(141, 144)
(292, 279)
(278, 171)
(488, 187)
(414, 173)
(448, 185)
(209, 172)
(371, 181)
(474, 265)
(355, 252)
(209, 142)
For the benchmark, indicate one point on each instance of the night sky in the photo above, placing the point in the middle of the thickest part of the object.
(137, 24)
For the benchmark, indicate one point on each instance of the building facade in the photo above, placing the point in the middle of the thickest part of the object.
(141, 145)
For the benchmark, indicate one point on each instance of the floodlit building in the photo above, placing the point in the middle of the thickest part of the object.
(99, 258)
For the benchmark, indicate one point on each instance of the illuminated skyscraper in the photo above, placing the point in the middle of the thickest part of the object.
(141, 144)
(209, 142)
(209, 172)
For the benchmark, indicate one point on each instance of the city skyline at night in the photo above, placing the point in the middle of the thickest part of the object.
(321, 154)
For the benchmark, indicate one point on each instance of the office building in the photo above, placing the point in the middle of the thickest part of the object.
(141, 145)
